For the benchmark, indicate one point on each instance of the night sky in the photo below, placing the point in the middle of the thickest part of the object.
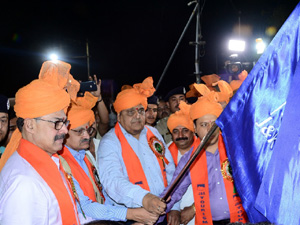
(128, 40)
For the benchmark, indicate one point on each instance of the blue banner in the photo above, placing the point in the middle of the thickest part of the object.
(252, 120)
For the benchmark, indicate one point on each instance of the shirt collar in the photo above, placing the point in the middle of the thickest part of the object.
(78, 155)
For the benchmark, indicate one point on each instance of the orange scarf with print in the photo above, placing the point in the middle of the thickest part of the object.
(174, 150)
(48, 170)
(199, 177)
(79, 174)
(133, 165)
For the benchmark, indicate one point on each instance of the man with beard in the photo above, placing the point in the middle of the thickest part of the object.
(182, 129)
(151, 111)
(83, 175)
(172, 100)
(134, 162)
(215, 198)
(4, 107)
(33, 186)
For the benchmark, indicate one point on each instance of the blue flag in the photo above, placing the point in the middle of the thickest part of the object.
(252, 120)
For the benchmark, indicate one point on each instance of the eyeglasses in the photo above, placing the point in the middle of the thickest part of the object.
(81, 132)
(132, 111)
(206, 124)
(57, 124)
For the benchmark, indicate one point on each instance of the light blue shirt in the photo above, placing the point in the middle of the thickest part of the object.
(113, 173)
(94, 209)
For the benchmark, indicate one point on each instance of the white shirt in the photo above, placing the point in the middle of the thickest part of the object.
(25, 198)
(113, 173)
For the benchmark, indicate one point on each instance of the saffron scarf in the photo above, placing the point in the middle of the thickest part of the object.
(48, 170)
(80, 175)
(199, 176)
(133, 165)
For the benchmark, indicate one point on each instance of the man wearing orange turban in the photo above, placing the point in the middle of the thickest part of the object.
(33, 186)
(134, 162)
(83, 173)
(183, 134)
(215, 199)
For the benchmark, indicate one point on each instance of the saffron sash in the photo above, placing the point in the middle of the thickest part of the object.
(133, 165)
(80, 175)
(199, 176)
(48, 170)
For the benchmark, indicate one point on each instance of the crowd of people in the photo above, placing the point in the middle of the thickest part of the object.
(62, 163)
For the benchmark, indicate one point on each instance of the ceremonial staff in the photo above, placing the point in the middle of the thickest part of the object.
(193, 157)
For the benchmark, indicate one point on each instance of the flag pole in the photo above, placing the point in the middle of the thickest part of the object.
(193, 157)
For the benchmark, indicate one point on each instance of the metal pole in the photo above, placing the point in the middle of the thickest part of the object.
(175, 49)
(189, 163)
(197, 42)
(88, 58)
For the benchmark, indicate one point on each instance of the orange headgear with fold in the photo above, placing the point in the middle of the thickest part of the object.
(48, 94)
(206, 104)
(181, 117)
(209, 80)
(131, 97)
(235, 84)
(80, 111)
(225, 92)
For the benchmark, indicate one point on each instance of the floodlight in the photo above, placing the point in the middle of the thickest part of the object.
(53, 57)
(236, 45)
(260, 46)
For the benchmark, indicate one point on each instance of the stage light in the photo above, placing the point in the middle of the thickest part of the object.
(236, 45)
(260, 46)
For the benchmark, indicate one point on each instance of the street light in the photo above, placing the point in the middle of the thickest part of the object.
(53, 57)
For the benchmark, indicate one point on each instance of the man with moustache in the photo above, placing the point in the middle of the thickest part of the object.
(134, 162)
(83, 174)
(4, 121)
(151, 111)
(215, 199)
(162, 109)
(33, 186)
(172, 100)
(182, 129)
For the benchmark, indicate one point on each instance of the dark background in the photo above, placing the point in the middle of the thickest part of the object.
(128, 39)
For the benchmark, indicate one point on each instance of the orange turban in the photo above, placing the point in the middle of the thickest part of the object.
(209, 80)
(192, 92)
(206, 104)
(80, 111)
(48, 94)
(235, 84)
(133, 96)
(181, 117)
(225, 91)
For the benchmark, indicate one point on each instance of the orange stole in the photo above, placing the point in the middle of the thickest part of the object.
(199, 177)
(79, 174)
(174, 150)
(48, 170)
(133, 165)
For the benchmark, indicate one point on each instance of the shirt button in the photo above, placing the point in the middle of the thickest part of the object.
(218, 182)
(221, 198)
(225, 212)
(216, 169)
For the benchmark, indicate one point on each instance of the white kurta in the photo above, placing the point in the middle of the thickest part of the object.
(25, 198)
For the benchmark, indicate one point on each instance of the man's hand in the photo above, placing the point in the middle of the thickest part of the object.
(154, 205)
(141, 216)
(96, 93)
(174, 217)
(187, 214)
